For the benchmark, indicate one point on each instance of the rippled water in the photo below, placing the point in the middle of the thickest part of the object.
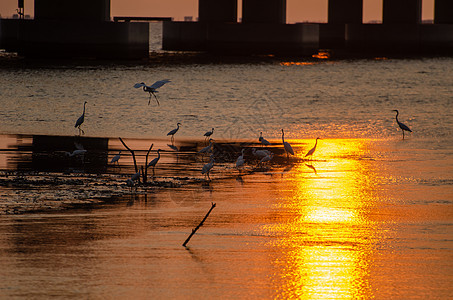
(369, 217)
(334, 99)
(364, 219)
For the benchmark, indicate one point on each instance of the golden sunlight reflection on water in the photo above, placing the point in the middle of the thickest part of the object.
(326, 239)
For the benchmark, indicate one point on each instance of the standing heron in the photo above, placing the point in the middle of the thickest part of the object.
(153, 163)
(207, 168)
(312, 150)
(263, 140)
(152, 89)
(208, 133)
(288, 148)
(173, 132)
(80, 120)
(401, 125)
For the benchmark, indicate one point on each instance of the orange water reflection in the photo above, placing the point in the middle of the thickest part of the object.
(326, 239)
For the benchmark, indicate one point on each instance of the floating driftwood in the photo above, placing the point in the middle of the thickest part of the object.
(199, 225)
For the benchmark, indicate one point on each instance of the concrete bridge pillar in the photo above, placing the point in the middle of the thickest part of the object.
(80, 10)
(443, 12)
(345, 12)
(217, 10)
(402, 11)
(264, 11)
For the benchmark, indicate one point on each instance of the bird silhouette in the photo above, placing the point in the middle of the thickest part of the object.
(287, 146)
(152, 89)
(116, 158)
(263, 140)
(153, 163)
(401, 125)
(173, 132)
(207, 168)
(208, 133)
(81, 119)
(312, 150)
(207, 148)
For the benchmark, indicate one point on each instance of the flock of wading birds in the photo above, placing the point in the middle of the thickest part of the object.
(265, 155)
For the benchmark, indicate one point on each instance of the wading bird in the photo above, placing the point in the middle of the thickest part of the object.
(208, 133)
(80, 151)
(263, 140)
(173, 132)
(80, 120)
(116, 158)
(260, 153)
(287, 146)
(240, 161)
(152, 89)
(312, 150)
(206, 149)
(267, 158)
(207, 168)
(153, 163)
(131, 181)
(76, 153)
(401, 125)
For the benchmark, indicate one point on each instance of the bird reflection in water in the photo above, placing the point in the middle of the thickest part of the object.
(312, 167)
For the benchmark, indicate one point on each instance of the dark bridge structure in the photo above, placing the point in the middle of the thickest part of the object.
(83, 29)
(74, 29)
(263, 29)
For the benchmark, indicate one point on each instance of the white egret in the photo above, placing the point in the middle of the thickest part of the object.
(263, 140)
(207, 168)
(260, 153)
(207, 148)
(401, 125)
(79, 151)
(267, 158)
(288, 148)
(80, 120)
(153, 163)
(312, 150)
(152, 89)
(240, 161)
(116, 158)
(208, 133)
(173, 132)
(76, 152)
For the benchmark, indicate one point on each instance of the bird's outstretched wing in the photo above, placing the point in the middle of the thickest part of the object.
(159, 83)
(139, 85)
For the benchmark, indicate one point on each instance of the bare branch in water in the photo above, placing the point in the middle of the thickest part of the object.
(133, 154)
(199, 225)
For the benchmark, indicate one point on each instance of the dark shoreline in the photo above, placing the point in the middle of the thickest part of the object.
(12, 60)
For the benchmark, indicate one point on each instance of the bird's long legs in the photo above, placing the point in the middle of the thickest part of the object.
(150, 96)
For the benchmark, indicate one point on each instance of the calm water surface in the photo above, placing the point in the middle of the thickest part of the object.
(370, 217)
